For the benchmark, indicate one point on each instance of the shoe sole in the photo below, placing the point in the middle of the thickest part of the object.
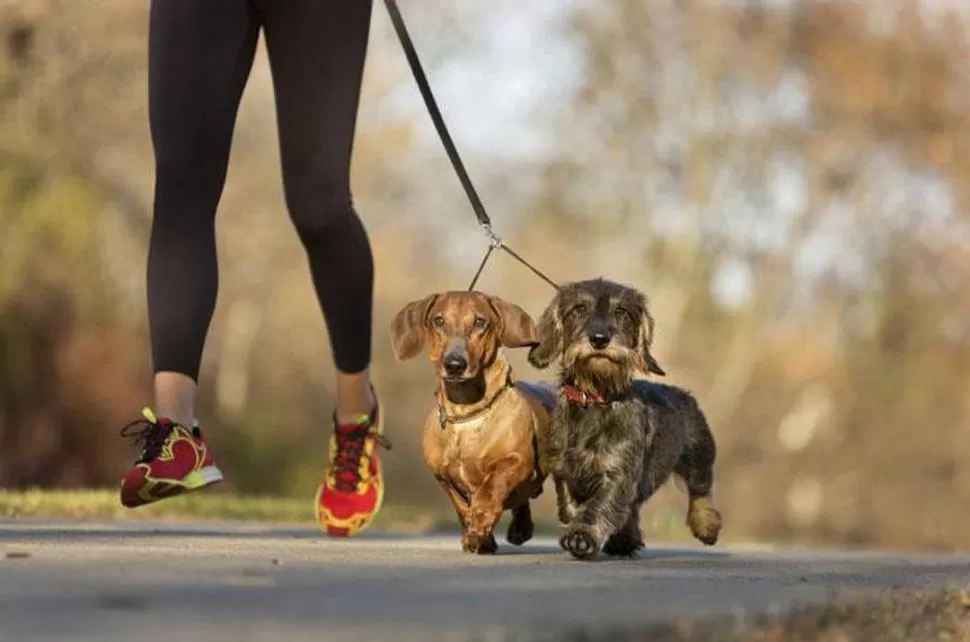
(337, 531)
(156, 490)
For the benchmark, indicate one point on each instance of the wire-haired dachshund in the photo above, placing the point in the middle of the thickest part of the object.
(485, 435)
(616, 437)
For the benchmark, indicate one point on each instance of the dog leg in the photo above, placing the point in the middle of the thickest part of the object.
(696, 468)
(487, 504)
(457, 501)
(471, 540)
(598, 518)
(474, 540)
(461, 509)
(565, 505)
(479, 537)
(520, 528)
(628, 540)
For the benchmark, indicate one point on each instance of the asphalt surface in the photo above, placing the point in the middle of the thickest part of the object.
(151, 581)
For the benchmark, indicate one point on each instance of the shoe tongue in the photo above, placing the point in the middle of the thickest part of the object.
(355, 431)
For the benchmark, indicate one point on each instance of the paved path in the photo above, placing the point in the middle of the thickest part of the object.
(147, 582)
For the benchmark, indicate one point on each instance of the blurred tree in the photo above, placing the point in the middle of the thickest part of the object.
(787, 181)
(788, 184)
(63, 337)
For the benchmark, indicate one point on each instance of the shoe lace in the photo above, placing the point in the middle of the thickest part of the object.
(149, 435)
(350, 449)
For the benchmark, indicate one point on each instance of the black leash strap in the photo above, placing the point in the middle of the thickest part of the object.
(435, 113)
(483, 219)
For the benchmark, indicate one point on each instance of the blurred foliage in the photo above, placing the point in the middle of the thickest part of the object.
(788, 183)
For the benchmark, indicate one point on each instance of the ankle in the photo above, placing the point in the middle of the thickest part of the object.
(175, 398)
(350, 410)
(354, 396)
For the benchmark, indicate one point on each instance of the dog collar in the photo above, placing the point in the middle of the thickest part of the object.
(444, 419)
(576, 395)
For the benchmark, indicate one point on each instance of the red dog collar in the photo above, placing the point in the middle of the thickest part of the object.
(578, 396)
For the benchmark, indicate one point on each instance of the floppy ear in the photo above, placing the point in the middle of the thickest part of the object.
(548, 337)
(518, 330)
(645, 341)
(408, 328)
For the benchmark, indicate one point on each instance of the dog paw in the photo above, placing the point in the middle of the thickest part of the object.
(579, 542)
(520, 531)
(622, 545)
(705, 524)
(479, 543)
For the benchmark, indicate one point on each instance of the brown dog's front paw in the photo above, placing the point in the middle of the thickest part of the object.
(479, 543)
(622, 545)
(579, 542)
(520, 531)
(705, 524)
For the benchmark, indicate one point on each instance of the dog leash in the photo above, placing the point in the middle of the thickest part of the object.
(494, 240)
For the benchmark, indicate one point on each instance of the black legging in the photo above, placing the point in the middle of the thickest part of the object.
(200, 55)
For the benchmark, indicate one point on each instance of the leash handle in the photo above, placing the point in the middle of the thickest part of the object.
(435, 113)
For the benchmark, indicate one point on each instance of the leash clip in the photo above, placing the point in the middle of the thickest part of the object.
(494, 241)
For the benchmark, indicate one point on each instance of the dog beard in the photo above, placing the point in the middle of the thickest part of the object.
(606, 372)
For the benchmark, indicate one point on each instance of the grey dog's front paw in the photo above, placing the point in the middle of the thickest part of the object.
(580, 542)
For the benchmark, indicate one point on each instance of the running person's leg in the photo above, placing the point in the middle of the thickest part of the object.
(200, 54)
(316, 51)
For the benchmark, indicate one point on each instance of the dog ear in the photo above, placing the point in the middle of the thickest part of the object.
(518, 330)
(548, 337)
(645, 341)
(409, 328)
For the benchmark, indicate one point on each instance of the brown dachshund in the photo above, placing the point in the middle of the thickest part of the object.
(485, 436)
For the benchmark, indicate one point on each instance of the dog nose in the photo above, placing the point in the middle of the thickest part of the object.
(599, 339)
(454, 364)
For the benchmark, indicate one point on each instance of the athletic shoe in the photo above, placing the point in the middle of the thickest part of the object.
(174, 460)
(353, 490)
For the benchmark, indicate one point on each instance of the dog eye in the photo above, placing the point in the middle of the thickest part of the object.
(480, 323)
(438, 321)
(621, 312)
(579, 308)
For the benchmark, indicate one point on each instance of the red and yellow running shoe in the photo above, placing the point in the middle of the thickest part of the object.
(353, 490)
(174, 460)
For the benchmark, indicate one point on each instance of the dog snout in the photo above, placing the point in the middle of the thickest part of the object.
(599, 338)
(454, 363)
